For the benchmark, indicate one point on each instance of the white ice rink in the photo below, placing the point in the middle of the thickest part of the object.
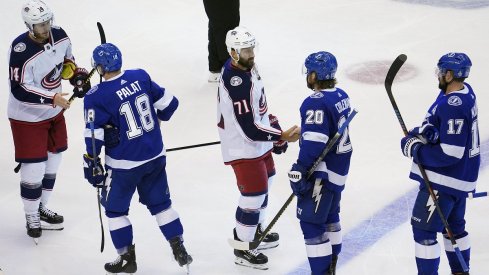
(169, 40)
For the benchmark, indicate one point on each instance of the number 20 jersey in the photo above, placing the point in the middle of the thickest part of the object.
(322, 114)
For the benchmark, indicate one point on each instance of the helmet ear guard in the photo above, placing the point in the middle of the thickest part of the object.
(36, 12)
(322, 63)
(458, 63)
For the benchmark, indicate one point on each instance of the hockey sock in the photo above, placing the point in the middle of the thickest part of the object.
(427, 257)
(463, 243)
(47, 187)
(31, 196)
(246, 223)
(263, 211)
(319, 252)
(169, 223)
(120, 232)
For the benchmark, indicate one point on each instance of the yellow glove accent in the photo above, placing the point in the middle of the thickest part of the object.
(68, 70)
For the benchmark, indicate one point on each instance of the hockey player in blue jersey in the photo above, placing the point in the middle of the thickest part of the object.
(318, 199)
(447, 146)
(125, 111)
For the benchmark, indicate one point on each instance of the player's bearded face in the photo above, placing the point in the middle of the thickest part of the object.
(42, 30)
(247, 58)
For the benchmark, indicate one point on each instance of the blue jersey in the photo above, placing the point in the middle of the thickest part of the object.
(452, 165)
(133, 103)
(322, 114)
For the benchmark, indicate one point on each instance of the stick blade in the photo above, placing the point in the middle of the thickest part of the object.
(239, 245)
(395, 67)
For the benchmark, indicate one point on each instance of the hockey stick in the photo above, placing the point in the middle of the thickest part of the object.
(102, 242)
(193, 146)
(240, 245)
(389, 79)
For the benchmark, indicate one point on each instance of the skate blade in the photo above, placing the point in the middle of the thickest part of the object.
(243, 262)
(187, 268)
(51, 226)
(110, 273)
(264, 246)
(36, 240)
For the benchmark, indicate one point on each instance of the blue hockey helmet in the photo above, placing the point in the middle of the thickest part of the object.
(108, 57)
(323, 63)
(459, 63)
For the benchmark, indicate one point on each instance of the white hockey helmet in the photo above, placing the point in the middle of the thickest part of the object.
(239, 38)
(35, 12)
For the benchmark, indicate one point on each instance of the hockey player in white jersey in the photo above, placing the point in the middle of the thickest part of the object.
(135, 159)
(447, 146)
(249, 135)
(318, 199)
(38, 60)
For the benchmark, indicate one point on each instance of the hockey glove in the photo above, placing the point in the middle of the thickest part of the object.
(410, 146)
(94, 175)
(81, 82)
(428, 132)
(280, 146)
(111, 136)
(298, 181)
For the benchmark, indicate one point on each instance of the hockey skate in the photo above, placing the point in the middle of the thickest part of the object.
(33, 225)
(49, 219)
(125, 263)
(270, 240)
(250, 258)
(180, 253)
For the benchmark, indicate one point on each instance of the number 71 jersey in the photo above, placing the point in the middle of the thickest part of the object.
(322, 114)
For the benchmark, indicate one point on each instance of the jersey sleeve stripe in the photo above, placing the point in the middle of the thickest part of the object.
(315, 136)
(453, 150)
(99, 134)
(164, 101)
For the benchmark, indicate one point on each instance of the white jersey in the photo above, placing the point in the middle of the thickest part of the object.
(35, 75)
(242, 114)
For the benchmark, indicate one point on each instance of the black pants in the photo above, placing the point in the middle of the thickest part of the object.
(223, 16)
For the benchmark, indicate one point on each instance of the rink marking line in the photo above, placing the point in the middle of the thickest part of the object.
(375, 228)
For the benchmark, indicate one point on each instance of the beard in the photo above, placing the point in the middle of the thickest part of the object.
(442, 84)
(249, 63)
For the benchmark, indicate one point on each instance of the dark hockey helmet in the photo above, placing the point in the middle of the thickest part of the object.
(323, 63)
(459, 63)
(107, 57)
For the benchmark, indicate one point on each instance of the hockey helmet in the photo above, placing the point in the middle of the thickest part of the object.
(106, 57)
(36, 12)
(239, 38)
(459, 63)
(323, 63)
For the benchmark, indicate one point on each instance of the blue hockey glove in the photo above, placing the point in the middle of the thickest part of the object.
(427, 131)
(111, 136)
(280, 146)
(298, 181)
(94, 175)
(410, 146)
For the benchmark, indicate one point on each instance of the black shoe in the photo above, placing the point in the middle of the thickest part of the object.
(33, 225)
(250, 258)
(270, 240)
(179, 251)
(125, 263)
(50, 219)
